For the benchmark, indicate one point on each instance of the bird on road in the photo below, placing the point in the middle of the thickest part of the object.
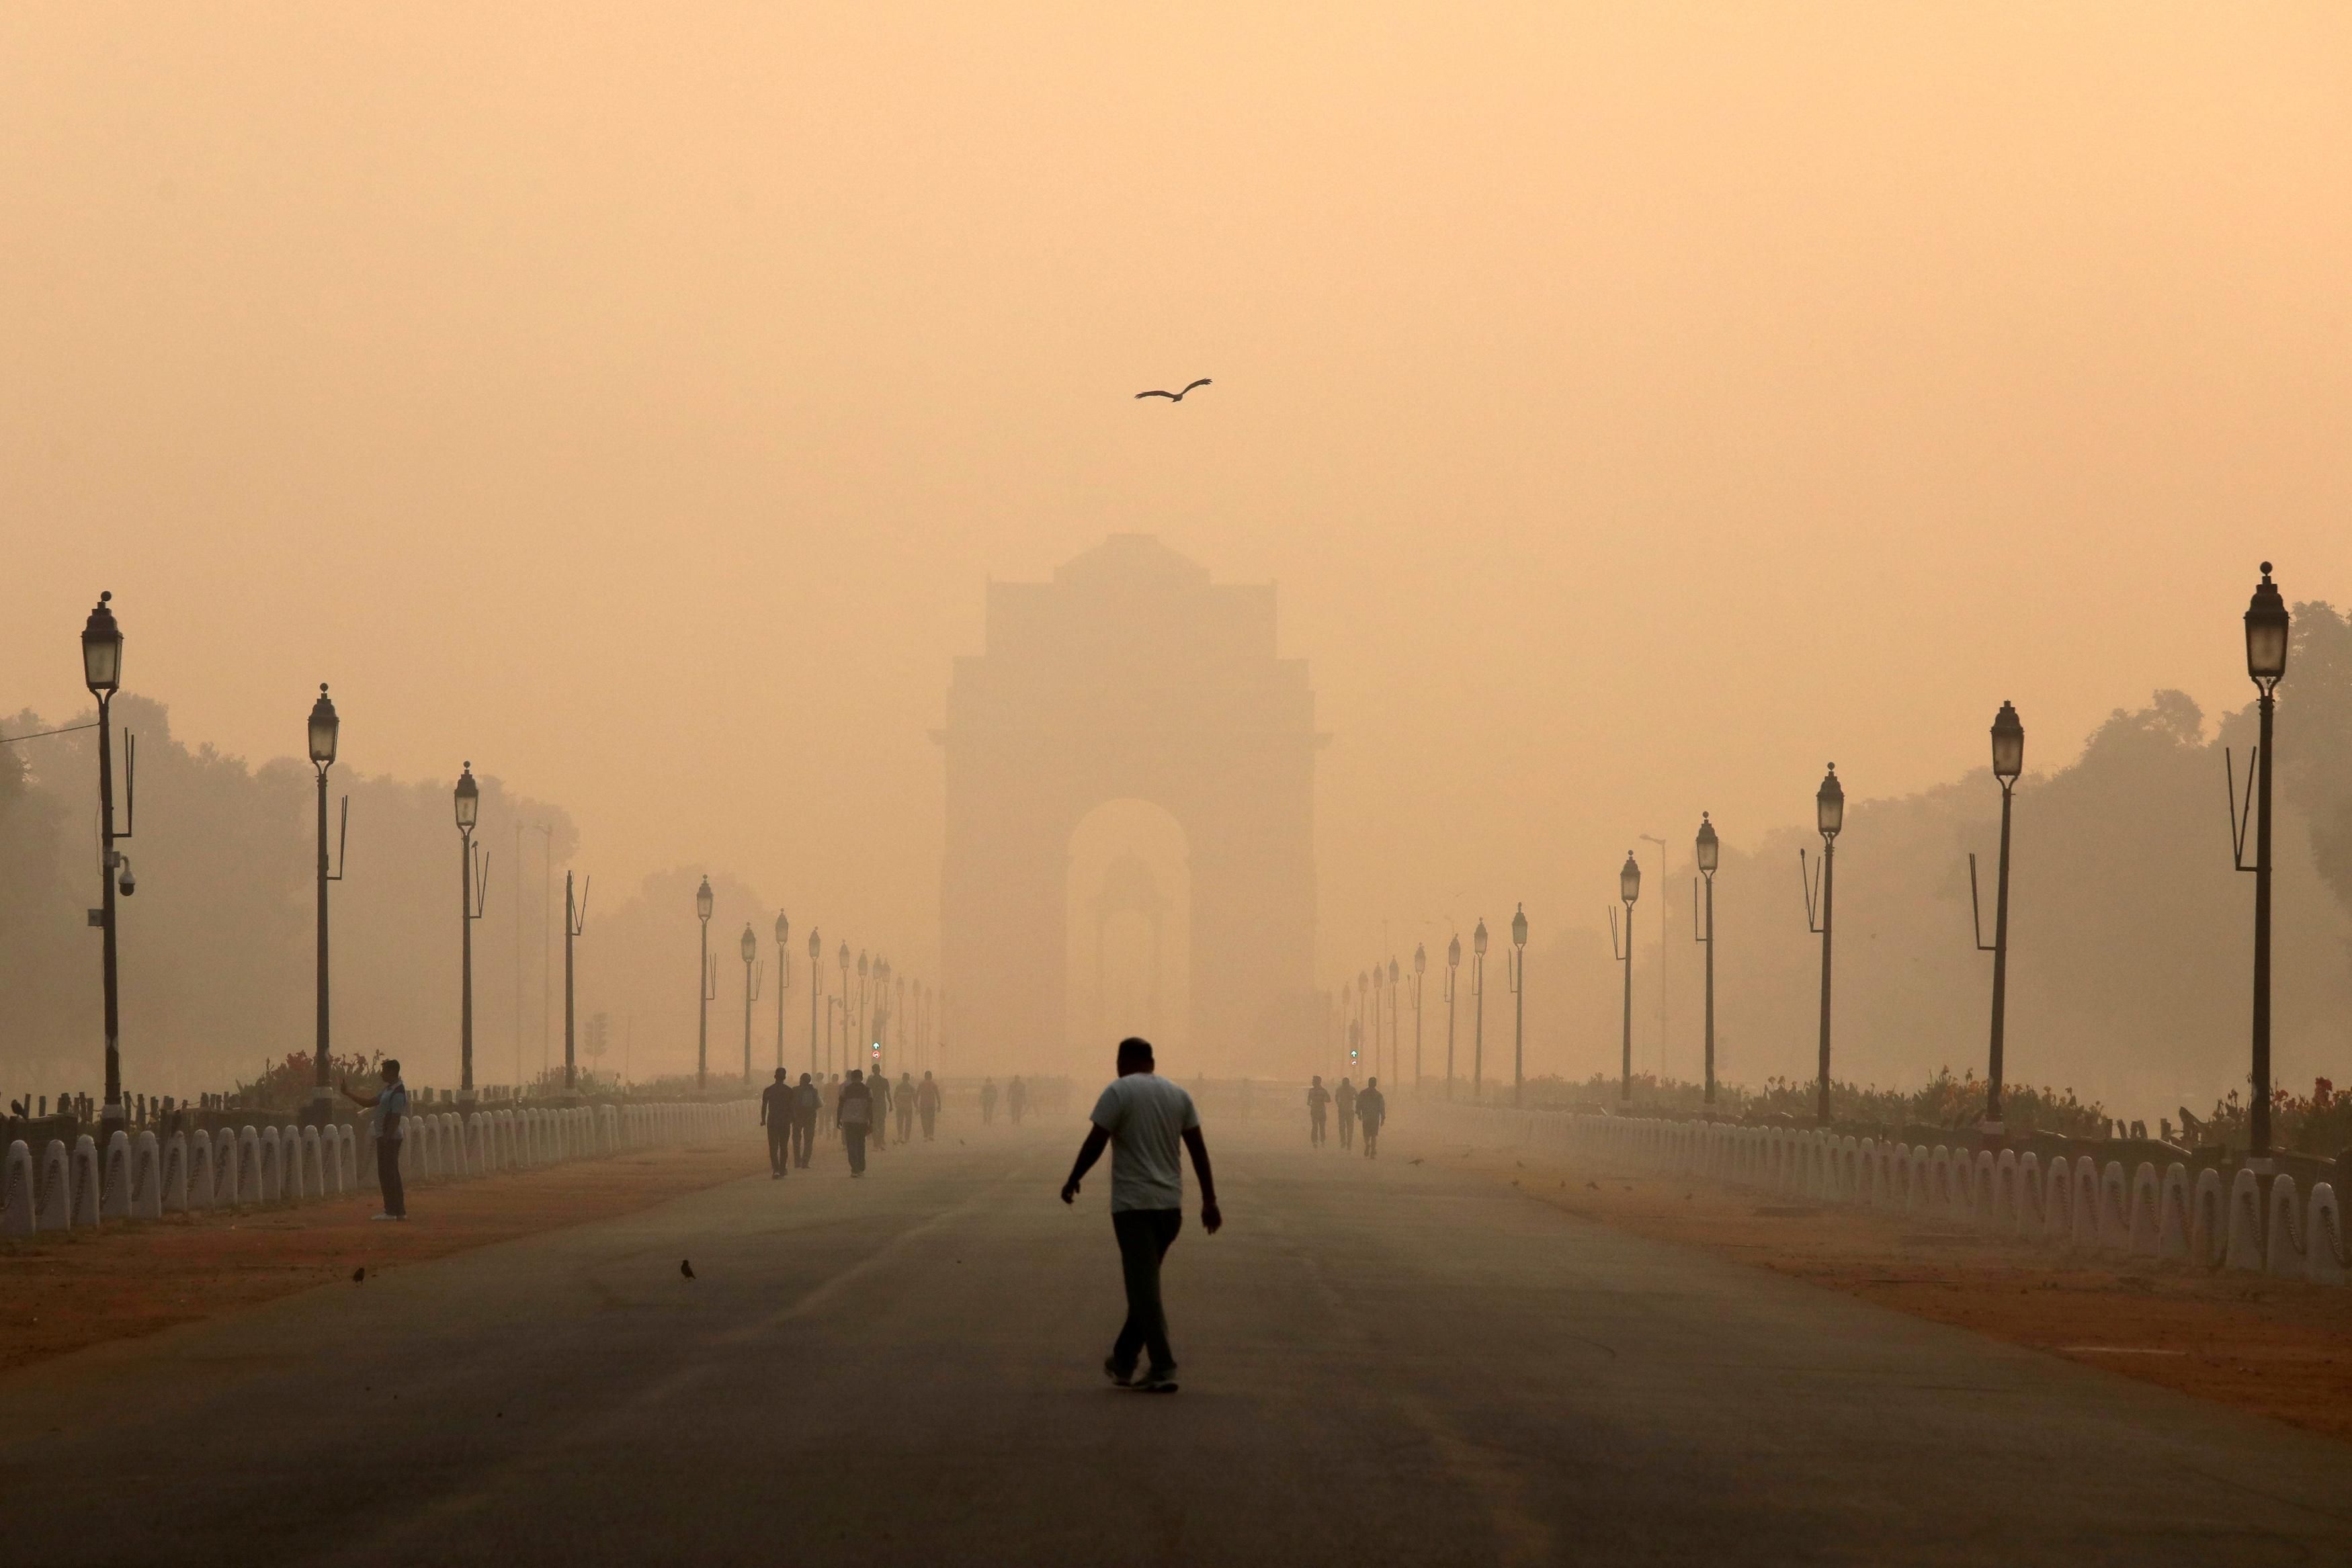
(686, 1269)
(359, 1274)
(1174, 396)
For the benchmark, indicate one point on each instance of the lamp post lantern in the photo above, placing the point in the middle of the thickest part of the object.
(1478, 1012)
(102, 668)
(2267, 625)
(325, 728)
(473, 888)
(1709, 851)
(1829, 817)
(1629, 889)
(1453, 966)
(749, 946)
(705, 985)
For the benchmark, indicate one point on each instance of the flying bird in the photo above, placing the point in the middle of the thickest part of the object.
(359, 1274)
(685, 1269)
(1174, 396)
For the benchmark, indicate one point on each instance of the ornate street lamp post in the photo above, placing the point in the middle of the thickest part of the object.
(102, 668)
(575, 925)
(816, 988)
(705, 985)
(1708, 852)
(2266, 645)
(324, 728)
(1420, 967)
(1629, 889)
(749, 946)
(1393, 974)
(784, 978)
(1829, 816)
(2008, 762)
(1478, 1012)
(473, 889)
(1453, 966)
(1517, 961)
(845, 1020)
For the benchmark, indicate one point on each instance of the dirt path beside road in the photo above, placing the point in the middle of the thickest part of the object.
(61, 1292)
(2278, 1347)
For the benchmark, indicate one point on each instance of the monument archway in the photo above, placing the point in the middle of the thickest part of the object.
(1129, 675)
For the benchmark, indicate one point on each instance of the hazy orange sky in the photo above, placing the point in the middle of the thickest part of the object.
(1638, 406)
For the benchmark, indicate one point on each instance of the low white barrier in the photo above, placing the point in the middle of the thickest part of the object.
(17, 1191)
(2075, 1205)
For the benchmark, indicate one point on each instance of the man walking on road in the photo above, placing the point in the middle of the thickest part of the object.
(776, 1116)
(902, 1099)
(1318, 1099)
(1345, 1102)
(857, 1112)
(1142, 1116)
(927, 1103)
(808, 1102)
(390, 1103)
(1016, 1098)
(1371, 1109)
(987, 1101)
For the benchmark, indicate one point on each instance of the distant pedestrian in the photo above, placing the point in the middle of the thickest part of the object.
(832, 1087)
(1142, 1116)
(1016, 1098)
(776, 1116)
(987, 1101)
(808, 1104)
(391, 1105)
(1345, 1102)
(877, 1083)
(857, 1112)
(1318, 1101)
(927, 1104)
(902, 1101)
(1371, 1110)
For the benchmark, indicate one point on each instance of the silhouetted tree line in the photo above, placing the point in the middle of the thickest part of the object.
(2130, 931)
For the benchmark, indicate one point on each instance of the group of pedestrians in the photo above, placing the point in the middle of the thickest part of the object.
(1016, 1100)
(1366, 1108)
(856, 1109)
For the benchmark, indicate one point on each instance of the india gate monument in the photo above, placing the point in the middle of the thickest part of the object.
(1130, 815)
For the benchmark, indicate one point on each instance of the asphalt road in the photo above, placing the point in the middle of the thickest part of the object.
(1383, 1363)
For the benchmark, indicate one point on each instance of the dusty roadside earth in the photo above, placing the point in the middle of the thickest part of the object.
(2278, 1347)
(59, 1292)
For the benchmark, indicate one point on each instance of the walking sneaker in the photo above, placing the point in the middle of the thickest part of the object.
(1123, 1377)
(1157, 1379)
(383, 1216)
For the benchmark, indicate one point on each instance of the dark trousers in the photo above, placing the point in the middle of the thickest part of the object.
(930, 1118)
(780, 1147)
(1371, 1136)
(1144, 1237)
(1347, 1125)
(906, 1123)
(1316, 1135)
(803, 1137)
(855, 1137)
(387, 1176)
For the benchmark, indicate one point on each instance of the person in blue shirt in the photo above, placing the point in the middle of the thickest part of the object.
(391, 1105)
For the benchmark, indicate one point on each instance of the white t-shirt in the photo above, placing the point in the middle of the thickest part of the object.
(1147, 1116)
